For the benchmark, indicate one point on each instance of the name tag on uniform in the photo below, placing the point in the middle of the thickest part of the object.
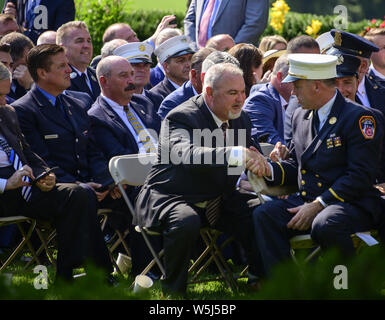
(51, 136)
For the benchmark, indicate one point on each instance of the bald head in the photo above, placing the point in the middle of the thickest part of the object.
(116, 79)
(221, 42)
(120, 31)
(47, 37)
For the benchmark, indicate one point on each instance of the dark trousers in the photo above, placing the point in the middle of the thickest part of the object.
(332, 227)
(72, 211)
(181, 231)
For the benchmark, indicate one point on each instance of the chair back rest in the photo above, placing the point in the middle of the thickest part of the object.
(131, 169)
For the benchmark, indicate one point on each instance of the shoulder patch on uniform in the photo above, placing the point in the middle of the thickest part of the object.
(367, 126)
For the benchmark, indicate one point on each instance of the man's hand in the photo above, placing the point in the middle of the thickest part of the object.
(115, 193)
(266, 77)
(280, 152)
(47, 183)
(10, 9)
(99, 195)
(15, 181)
(304, 215)
(165, 23)
(256, 163)
(22, 75)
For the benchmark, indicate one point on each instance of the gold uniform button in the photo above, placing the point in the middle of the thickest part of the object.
(319, 184)
(303, 171)
(303, 182)
(317, 175)
(303, 193)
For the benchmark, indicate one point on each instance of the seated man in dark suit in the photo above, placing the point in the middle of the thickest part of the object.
(70, 208)
(189, 88)
(266, 107)
(175, 55)
(21, 79)
(75, 38)
(56, 125)
(138, 54)
(178, 208)
(114, 125)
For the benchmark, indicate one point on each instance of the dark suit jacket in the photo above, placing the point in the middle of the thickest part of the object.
(9, 128)
(176, 98)
(377, 79)
(59, 12)
(19, 90)
(60, 141)
(111, 133)
(163, 89)
(338, 164)
(84, 97)
(77, 83)
(244, 20)
(375, 93)
(193, 181)
(156, 75)
(265, 111)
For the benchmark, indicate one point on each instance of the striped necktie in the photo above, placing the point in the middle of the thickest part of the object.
(213, 207)
(17, 164)
(144, 137)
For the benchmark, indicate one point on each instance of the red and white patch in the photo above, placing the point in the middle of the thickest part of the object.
(367, 126)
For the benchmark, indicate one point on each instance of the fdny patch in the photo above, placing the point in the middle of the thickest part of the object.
(367, 126)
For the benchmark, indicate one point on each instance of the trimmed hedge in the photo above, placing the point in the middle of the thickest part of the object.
(99, 14)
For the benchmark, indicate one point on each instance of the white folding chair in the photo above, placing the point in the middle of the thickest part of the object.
(132, 170)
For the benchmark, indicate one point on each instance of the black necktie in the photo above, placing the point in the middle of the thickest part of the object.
(316, 122)
(85, 83)
(59, 106)
(224, 127)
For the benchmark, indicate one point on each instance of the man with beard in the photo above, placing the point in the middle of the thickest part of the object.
(194, 178)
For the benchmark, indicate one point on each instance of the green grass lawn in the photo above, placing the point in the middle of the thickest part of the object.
(177, 5)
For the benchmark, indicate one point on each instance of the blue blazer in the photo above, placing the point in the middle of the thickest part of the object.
(163, 88)
(77, 83)
(59, 12)
(154, 98)
(265, 111)
(61, 141)
(156, 75)
(19, 91)
(111, 133)
(176, 98)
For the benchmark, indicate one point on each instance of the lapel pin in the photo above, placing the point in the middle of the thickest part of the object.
(333, 120)
(93, 78)
(73, 75)
(142, 111)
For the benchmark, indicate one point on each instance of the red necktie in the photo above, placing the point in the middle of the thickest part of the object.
(204, 25)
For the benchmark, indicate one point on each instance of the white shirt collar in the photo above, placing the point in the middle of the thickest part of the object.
(377, 73)
(216, 119)
(324, 111)
(112, 103)
(173, 83)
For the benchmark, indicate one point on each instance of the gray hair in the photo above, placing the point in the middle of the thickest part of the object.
(166, 34)
(218, 57)
(109, 47)
(281, 65)
(4, 73)
(216, 72)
